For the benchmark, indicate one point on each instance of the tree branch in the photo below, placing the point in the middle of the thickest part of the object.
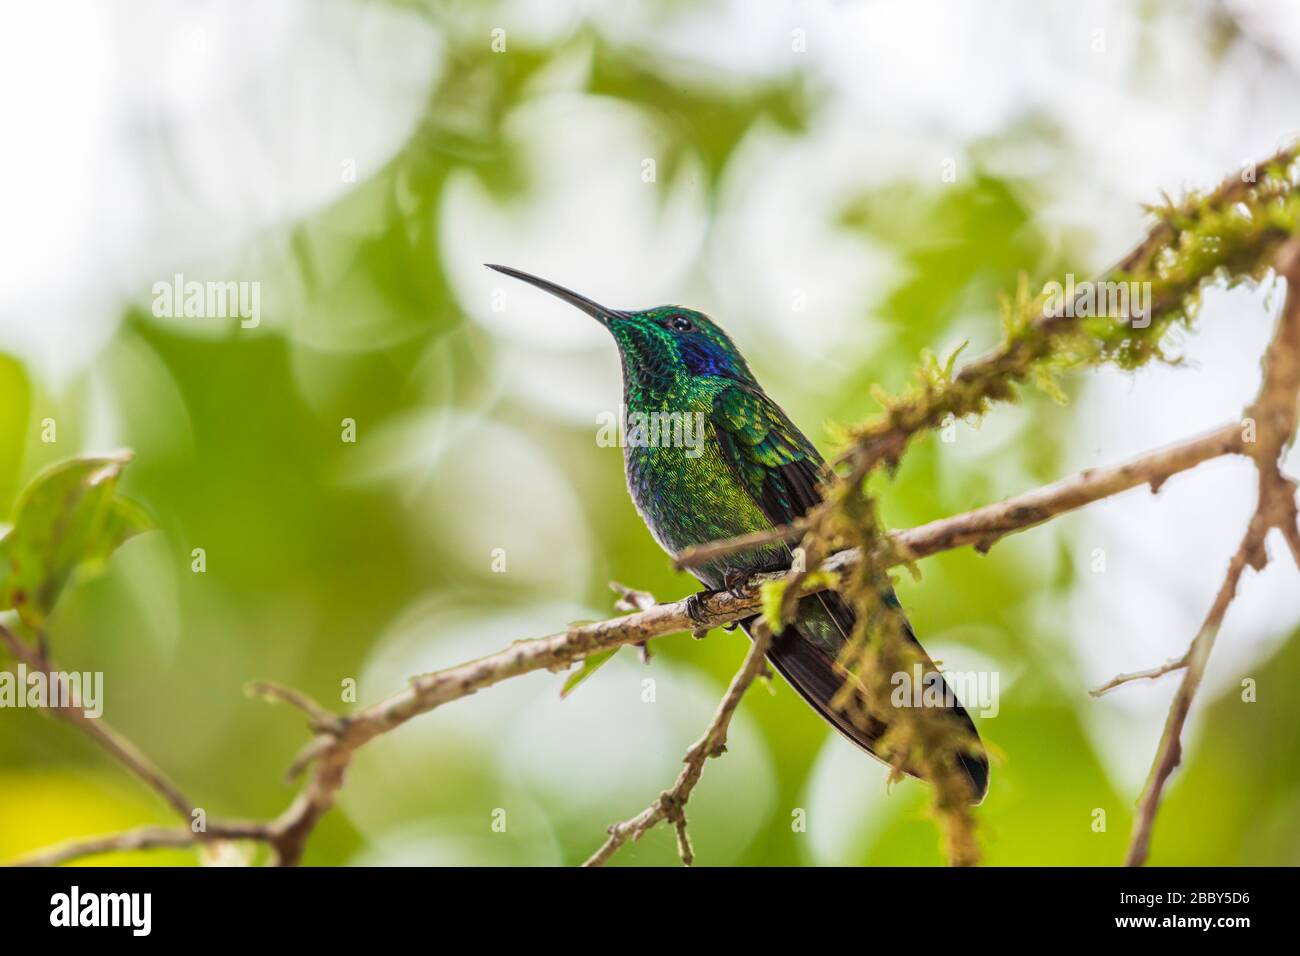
(1275, 415)
(117, 746)
(983, 527)
(1150, 674)
(671, 804)
(143, 838)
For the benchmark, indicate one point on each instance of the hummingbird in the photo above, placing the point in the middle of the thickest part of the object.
(753, 470)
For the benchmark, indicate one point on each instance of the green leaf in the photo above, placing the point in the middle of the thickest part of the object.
(69, 516)
(590, 664)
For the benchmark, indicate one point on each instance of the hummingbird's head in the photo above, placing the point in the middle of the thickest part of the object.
(661, 348)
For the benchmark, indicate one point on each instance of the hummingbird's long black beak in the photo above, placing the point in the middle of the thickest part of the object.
(593, 309)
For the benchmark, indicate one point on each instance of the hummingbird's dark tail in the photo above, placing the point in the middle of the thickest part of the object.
(805, 653)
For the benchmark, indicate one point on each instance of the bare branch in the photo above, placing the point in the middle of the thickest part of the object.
(1275, 414)
(630, 599)
(1152, 674)
(1170, 751)
(117, 746)
(320, 719)
(983, 527)
(143, 838)
(671, 804)
(703, 553)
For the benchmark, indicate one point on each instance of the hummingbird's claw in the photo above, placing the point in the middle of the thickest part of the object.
(695, 605)
(736, 582)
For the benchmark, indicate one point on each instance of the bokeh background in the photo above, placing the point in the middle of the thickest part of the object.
(779, 165)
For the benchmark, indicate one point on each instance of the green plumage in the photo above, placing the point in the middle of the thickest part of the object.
(746, 469)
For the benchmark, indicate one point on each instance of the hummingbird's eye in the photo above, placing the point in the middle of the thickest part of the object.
(680, 323)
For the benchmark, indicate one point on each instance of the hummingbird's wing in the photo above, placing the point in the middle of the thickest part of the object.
(783, 473)
(773, 460)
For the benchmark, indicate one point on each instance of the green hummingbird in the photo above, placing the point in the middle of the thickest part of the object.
(749, 470)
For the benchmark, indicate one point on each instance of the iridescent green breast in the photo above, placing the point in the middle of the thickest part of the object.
(689, 492)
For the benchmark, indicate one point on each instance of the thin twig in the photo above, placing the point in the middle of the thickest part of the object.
(671, 804)
(318, 717)
(117, 746)
(1151, 674)
(142, 838)
(1170, 752)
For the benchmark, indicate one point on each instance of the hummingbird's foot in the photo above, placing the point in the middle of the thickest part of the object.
(695, 605)
(735, 582)
(696, 611)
